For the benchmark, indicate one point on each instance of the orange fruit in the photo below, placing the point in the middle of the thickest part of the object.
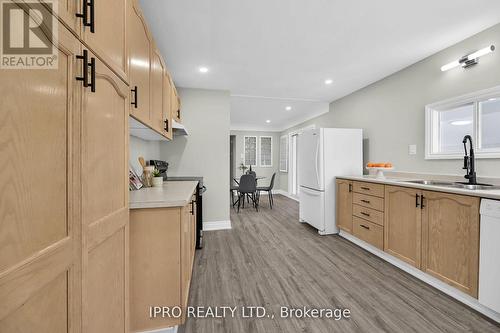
(388, 165)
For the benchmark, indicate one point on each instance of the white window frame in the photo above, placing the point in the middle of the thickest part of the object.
(260, 151)
(283, 153)
(256, 150)
(430, 124)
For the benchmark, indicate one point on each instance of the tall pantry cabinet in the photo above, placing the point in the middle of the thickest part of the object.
(64, 214)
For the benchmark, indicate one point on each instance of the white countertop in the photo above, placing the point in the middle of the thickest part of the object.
(488, 194)
(171, 194)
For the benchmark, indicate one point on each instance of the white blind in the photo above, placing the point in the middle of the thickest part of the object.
(250, 150)
(284, 153)
(266, 151)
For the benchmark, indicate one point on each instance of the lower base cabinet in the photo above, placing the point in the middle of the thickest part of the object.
(433, 231)
(162, 245)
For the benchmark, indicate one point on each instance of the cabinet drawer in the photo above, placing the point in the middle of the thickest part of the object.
(368, 201)
(369, 214)
(369, 232)
(369, 188)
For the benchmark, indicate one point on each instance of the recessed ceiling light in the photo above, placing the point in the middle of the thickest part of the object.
(328, 81)
(203, 69)
(492, 99)
(461, 122)
(268, 121)
(288, 108)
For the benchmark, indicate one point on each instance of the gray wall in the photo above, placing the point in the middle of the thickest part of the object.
(261, 171)
(391, 111)
(150, 150)
(205, 152)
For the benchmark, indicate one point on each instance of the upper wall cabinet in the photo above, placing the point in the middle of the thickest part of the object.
(106, 33)
(159, 121)
(101, 25)
(140, 43)
(176, 104)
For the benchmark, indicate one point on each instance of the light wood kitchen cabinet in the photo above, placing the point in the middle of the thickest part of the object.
(403, 229)
(104, 178)
(160, 119)
(176, 104)
(344, 205)
(107, 35)
(450, 239)
(66, 12)
(139, 44)
(162, 246)
(167, 105)
(369, 232)
(40, 241)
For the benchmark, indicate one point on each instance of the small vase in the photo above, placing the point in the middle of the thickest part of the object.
(157, 181)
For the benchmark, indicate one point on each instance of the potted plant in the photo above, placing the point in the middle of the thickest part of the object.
(242, 167)
(157, 178)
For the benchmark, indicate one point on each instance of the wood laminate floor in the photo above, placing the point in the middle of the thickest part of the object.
(270, 259)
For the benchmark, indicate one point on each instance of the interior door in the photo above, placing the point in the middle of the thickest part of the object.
(109, 39)
(39, 212)
(105, 204)
(310, 155)
(312, 207)
(140, 41)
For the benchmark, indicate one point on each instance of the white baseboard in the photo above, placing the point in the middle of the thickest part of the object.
(163, 330)
(438, 284)
(285, 193)
(216, 225)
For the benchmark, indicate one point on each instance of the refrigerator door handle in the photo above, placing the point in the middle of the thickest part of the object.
(317, 163)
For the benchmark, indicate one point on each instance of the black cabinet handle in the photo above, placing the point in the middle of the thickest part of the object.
(92, 74)
(365, 201)
(365, 188)
(422, 201)
(179, 114)
(85, 16)
(364, 226)
(166, 125)
(365, 214)
(350, 187)
(417, 204)
(85, 60)
(192, 207)
(134, 101)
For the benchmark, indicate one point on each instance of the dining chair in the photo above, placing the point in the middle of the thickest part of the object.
(247, 188)
(269, 190)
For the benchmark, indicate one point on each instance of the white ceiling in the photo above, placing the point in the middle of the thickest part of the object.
(287, 48)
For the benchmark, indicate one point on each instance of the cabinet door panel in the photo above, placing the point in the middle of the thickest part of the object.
(450, 237)
(344, 205)
(105, 203)
(167, 105)
(109, 38)
(140, 42)
(157, 70)
(66, 11)
(39, 201)
(402, 224)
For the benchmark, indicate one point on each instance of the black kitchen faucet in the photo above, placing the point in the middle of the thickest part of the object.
(469, 161)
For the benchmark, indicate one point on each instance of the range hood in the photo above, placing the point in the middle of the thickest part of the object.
(179, 129)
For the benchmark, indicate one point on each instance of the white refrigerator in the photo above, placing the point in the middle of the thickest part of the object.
(324, 154)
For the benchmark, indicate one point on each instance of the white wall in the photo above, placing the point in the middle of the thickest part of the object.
(391, 111)
(150, 150)
(205, 152)
(261, 171)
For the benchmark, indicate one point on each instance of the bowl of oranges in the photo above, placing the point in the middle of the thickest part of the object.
(379, 168)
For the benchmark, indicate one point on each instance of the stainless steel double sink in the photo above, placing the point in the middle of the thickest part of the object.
(457, 185)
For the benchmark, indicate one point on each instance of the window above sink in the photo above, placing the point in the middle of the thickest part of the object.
(476, 114)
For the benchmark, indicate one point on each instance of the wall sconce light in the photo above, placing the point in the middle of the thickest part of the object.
(469, 60)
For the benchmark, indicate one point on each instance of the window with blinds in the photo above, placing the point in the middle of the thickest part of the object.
(250, 150)
(284, 154)
(266, 151)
